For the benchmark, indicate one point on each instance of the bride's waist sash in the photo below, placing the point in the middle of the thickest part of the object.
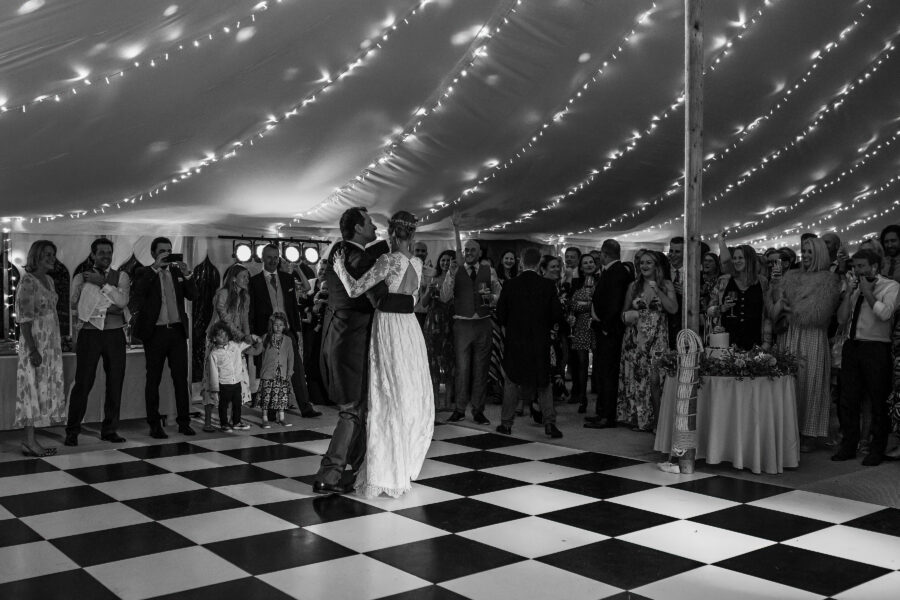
(396, 303)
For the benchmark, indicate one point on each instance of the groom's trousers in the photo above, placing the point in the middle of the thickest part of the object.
(345, 371)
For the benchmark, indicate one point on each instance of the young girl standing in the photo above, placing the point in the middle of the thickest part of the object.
(225, 373)
(276, 370)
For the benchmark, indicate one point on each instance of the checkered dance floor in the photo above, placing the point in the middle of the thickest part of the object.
(493, 517)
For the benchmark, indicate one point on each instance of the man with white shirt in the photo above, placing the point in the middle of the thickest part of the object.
(676, 274)
(473, 288)
(162, 325)
(100, 301)
(866, 356)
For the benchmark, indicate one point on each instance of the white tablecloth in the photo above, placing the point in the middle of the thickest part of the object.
(750, 423)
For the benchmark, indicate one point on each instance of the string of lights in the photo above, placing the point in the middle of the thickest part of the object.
(558, 115)
(488, 32)
(628, 145)
(839, 208)
(817, 189)
(87, 82)
(838, 99)
(370, 48)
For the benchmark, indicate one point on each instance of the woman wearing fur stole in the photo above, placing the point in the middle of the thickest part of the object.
(808, 297)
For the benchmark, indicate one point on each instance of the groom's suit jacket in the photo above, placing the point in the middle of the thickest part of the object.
(347, 325)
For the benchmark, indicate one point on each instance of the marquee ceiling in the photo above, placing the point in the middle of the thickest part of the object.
(535, 118)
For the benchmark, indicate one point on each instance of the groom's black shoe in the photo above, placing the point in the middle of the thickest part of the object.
(480, 418)
(504, 429)
(456, 416)
(330, 488)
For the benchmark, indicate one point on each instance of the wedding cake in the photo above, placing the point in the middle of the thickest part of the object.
(718, 343)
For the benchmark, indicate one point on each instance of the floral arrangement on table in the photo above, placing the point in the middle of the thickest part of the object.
(737, 363)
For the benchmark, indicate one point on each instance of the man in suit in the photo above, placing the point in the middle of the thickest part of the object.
(606, 313)
(345, 350)
(100, 301)
(528, 308)
(272, 290)
(161, 323)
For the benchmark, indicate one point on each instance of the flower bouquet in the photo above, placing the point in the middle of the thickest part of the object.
(737, 363)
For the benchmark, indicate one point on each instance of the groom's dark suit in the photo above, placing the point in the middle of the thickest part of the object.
(345, 358)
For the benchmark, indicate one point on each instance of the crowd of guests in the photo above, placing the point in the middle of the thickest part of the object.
(516, 331)
(257, 316)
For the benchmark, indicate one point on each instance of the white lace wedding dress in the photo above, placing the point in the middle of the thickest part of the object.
(400, 421)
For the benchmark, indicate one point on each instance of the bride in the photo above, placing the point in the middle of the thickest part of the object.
(400, 422)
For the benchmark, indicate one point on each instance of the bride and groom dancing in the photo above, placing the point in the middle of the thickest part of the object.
(374, 361)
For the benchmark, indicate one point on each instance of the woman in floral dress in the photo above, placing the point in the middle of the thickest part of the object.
(582, 338)
(41, 396)
(648, 303)
(439, 335)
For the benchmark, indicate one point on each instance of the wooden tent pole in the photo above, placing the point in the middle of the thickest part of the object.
(693, 160)
(693, 175)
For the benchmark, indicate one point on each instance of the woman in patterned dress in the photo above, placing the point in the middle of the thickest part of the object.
(439, 335)
(582, 338)
(40, 393)
(809, 296)
(648, 303)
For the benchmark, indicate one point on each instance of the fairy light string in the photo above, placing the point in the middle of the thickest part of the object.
(370, 49)
(838, 100)
(558, 115)
(158, 60)
(626, 147)
(488, 32)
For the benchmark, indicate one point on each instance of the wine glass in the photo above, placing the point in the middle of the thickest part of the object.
(485, 292)
(731, 298)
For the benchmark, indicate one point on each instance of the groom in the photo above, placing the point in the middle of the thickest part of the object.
(345, 350)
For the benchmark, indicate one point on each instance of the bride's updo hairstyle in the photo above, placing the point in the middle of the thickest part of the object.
(402, 226)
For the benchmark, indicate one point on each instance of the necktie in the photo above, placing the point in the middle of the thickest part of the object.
(472, 272)
(855, 320)
(677, 276)
(893, 266)
(273, 281)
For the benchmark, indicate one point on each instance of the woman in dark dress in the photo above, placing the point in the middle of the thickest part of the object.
(738, 302)
(551, 268)
(439, 335)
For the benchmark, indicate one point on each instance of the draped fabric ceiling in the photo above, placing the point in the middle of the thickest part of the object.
(537, 119)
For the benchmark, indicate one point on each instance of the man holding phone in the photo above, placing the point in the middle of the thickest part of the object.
(866, 356)
(161, 323)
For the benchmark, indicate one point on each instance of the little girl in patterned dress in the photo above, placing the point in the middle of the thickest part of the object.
(275, 371)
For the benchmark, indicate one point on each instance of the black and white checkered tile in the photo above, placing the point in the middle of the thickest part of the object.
(492, 517)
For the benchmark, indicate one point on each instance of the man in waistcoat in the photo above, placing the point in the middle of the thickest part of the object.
(161, 323)
(100, 301)
(473, 290)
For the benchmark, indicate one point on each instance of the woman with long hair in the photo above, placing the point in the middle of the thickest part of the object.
(739, 301)
(40, 393)
(401, 402)
(232, 307)
(649, 301)
(551, 268)
(582, 334)
(438, 331)
(809, 296)
(509, 266)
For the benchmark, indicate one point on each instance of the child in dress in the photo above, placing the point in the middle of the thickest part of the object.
(276, 369)
(225, 373)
